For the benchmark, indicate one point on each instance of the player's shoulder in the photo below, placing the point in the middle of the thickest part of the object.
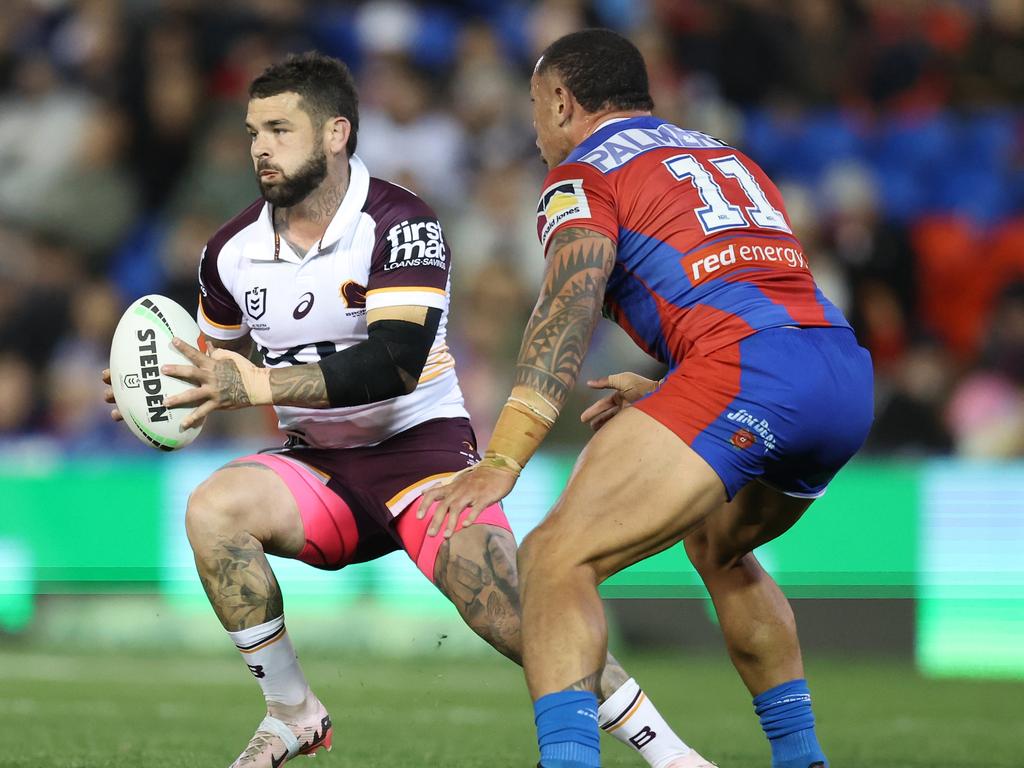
(231, 231)
(388, 203)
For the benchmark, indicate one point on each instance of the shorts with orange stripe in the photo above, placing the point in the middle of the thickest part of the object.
(358, 504)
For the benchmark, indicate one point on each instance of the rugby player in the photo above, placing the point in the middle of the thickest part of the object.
(684, 242)
(337, 283)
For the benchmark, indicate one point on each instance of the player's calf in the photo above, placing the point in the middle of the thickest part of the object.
(476, 569)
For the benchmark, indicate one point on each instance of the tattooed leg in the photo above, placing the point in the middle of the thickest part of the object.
(476, 570)
(240, 512)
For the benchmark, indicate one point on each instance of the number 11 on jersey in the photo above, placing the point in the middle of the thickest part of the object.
(718, 213)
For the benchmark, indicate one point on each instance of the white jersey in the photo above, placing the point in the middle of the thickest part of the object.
(383, 248)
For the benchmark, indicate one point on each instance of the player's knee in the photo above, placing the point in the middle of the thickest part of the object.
(708, 555)
(544, 550)
(217, 505)
(530, 552)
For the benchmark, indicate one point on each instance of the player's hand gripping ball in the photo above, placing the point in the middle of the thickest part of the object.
(141, 345)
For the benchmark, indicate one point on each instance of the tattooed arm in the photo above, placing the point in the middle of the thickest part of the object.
(387, 364)
(557, 335)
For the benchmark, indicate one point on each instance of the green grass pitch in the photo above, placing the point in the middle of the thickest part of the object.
(93, 710)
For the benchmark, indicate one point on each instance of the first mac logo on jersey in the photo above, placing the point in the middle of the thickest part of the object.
(416, 243)
(560, 202)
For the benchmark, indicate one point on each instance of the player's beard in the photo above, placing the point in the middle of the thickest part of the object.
(293, 189)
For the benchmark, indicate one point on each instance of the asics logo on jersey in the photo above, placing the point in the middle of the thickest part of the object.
(416, 243)
(305, 304)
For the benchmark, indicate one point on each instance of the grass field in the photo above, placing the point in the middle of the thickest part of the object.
(86, 710)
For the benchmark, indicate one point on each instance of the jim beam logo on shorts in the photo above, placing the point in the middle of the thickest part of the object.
(416, 243)
(149, 374)
(562, 201)
(744, 438)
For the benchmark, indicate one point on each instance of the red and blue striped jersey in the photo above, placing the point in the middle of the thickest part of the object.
(706, 255)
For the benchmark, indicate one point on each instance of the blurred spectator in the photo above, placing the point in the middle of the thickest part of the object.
(76, 413)
(400, 108)
(41, 120)
(986, 413)
(93, 202)
(498, 222)
(909, 416)
(166, 90)
(489, 317)
(18, 403)
(986, 416)
(220, 181)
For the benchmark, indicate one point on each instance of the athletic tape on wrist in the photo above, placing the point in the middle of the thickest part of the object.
(502, 462)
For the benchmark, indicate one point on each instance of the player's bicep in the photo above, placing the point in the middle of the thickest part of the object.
(579, 262)
(576, 251)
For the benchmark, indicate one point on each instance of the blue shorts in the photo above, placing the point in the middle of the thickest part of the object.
(786, 406)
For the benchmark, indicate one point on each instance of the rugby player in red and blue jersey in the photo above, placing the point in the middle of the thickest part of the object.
(684, 242)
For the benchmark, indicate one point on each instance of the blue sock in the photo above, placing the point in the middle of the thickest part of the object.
(567, 731)
(788, 722)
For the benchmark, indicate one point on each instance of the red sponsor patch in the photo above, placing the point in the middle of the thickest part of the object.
(743, 439)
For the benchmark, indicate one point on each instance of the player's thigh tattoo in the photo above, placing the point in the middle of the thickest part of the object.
(483, 584)
(239, 582)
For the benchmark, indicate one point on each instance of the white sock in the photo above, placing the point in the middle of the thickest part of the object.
(268, 652)
(631, 717)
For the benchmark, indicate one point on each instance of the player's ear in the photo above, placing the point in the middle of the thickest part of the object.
(336, 133)
(563, 105)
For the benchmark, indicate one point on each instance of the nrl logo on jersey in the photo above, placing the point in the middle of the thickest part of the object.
(256, 307)
(562, 201)
(416, 243)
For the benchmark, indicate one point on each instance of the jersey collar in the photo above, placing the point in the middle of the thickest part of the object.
(609, 128)
(351, 206)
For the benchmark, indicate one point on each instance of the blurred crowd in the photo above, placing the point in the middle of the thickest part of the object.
(894, 128)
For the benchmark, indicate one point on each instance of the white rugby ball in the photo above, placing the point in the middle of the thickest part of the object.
(141, 345)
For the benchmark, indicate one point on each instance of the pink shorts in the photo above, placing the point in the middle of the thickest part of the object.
(358, 504)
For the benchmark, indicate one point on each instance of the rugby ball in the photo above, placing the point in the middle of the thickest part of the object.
(141, 345)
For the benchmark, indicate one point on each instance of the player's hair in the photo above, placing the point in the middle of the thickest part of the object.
(324, 83)
(601, 68)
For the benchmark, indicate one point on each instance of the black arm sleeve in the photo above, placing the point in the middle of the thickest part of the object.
(386, 365)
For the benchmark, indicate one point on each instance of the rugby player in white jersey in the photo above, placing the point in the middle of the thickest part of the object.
(337, 284)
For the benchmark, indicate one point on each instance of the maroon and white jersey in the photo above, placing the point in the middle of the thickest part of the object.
(384, 248)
